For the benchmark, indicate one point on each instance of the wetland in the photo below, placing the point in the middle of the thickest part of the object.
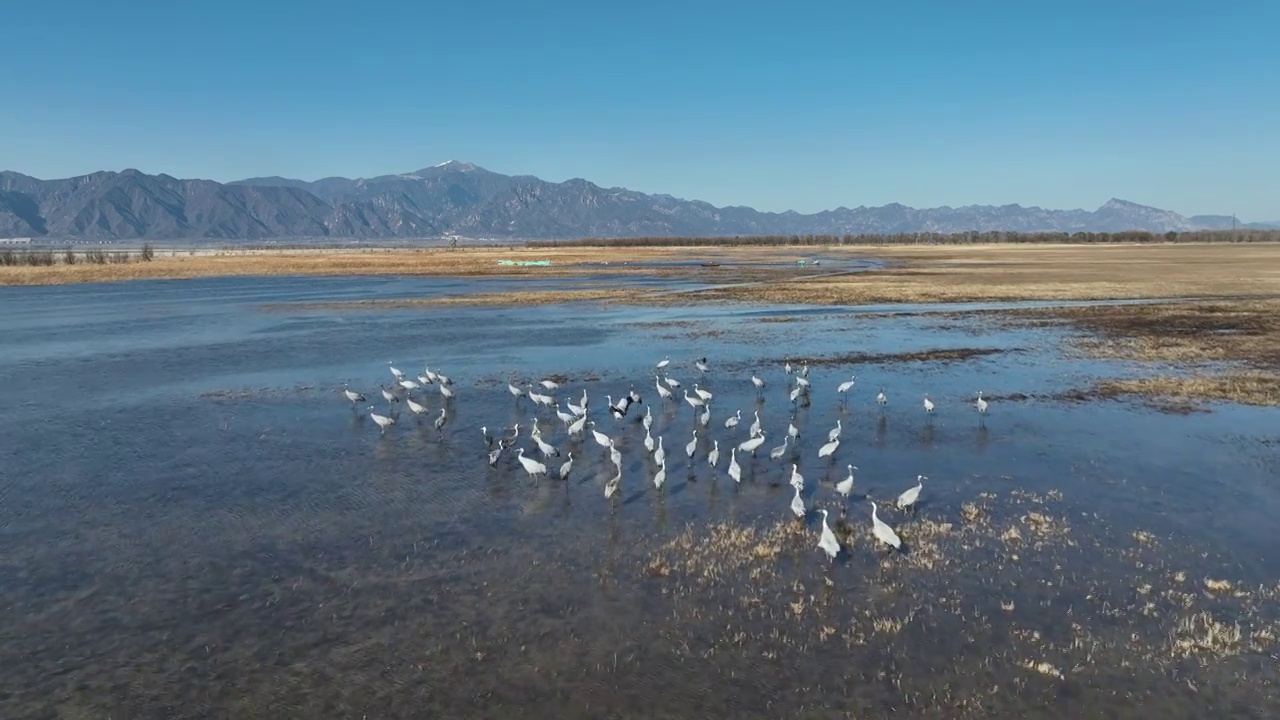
(195, 523)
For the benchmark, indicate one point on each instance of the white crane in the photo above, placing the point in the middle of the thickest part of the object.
(494, 454)
(545, 447)
(793, 432)
(565, 417)
(755, 426)
(671, 382)
(440, 377)
(778, 452)
(845, 486)
(550, 384)
(733, 420)
(694, 401)
(660, 455)
(882, 399)
(713, 457)
(649, 443)
(615, 455)
(611, 487)
(882, 531)
(663, 393)
(829, 449)
(797, 480)
(802, 382)
(531, 466)
(601, 439)
(787, 367)
(352, 395)
(446, 391)
(758, 383)
(661, 476)
(835, 431)
(388, 395)
(409, 384)
(735, 471)
(566, 468)
(383, 421)
(432, 377)
(928, 404)
(692, 446)
(705, 395)
(909, 496)
(844, 387)
(577, 410)
(424, 380)
(647, 420)
(575, 430)
(701, 364)
(753, 444)
(515, 391)
(795, 394)
(666, 360)
(414, 407)
(705, 418)
(440, 421)
(394, 371)
(797, 505)
(828, 542)
(981, 404)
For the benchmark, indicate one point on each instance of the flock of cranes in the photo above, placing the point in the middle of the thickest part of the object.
(576, 420)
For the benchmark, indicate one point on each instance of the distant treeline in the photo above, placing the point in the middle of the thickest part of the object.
(929, 238)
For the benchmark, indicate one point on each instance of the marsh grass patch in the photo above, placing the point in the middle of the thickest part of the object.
(1073, 600)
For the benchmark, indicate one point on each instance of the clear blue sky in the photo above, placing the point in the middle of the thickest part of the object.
(780, 106)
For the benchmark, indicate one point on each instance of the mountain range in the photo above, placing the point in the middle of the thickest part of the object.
(460, 199)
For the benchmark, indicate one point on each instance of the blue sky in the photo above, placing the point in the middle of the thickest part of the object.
(780, 106)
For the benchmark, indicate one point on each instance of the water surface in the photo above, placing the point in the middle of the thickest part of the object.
(194, 522)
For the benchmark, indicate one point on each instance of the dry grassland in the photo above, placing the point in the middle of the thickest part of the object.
(466, 262)
(1037, 272)
(1232, 347)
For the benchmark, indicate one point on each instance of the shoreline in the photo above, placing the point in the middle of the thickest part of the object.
(909, 274)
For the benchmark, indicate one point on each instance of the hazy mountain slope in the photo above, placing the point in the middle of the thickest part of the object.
(463, 199)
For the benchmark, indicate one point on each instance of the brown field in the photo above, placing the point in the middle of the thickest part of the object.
(1247, 388)
(466, 262)
(950, 273)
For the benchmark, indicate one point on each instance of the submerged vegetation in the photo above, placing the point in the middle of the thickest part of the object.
(1008, 588)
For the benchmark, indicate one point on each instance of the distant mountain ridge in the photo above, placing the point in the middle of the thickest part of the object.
(462, 199)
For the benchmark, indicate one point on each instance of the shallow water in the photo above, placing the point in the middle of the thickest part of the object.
(195, 523)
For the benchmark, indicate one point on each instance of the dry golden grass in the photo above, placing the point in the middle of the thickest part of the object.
(1244, 388)
(1036, 272)
(1246, 331)
(1241, 332)
(466, 262)
(927, 273)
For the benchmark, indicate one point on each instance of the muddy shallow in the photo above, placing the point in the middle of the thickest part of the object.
(194, 523)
